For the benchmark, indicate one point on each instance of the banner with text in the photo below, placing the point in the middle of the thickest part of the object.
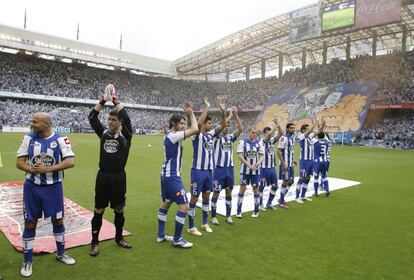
(376, 12)
(342, 106)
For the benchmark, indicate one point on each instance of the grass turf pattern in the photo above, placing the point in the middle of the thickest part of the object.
(365, 232)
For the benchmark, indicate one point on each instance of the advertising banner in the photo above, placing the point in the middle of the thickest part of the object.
(305, 23)
(377, 12)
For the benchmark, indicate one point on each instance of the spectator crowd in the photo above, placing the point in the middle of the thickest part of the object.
(28, 74)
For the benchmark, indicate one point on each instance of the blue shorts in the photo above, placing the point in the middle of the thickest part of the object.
(252, 180)
(201, 181)
(223, 178)
(42, 199)
(305, 168)
(288, 175)
(320, 167)
(268, 176)
(172, 190)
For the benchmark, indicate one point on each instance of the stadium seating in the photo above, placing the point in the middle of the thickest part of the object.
(28, 74)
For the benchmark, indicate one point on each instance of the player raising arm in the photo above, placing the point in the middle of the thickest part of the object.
(224, 167)
(268, 175)
(306, 161)
(172, 187)
(202, 168)
(110, 186)
(285, 153)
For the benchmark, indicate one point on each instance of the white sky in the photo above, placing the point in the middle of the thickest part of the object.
(159, 28)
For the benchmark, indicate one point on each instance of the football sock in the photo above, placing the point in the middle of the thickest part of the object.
(205, 207)
(191, 215)
(256, 202)
(59, 233)
(213, 206)
(316, 184)
(119, 224)
(28, 239)
(272, 194)
(96, 227)
(283, 191)
(162, 219)
(239, 202)
(179, 223)
(261, 189)
(228, 206)
(326, 184)
(298, 187)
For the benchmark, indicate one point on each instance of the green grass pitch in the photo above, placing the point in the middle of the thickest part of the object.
(337, 19)
(363, 232)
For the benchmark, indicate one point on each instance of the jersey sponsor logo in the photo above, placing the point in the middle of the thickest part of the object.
(209, 145)
(226, 146)
(42, 159)
(111, 146)
(251, 154)
(271, 150)
(53, 144)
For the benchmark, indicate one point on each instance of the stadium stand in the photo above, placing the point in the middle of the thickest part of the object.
(308, 47)
(21, 73)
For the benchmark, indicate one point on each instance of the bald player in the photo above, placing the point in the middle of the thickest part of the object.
(43, 155)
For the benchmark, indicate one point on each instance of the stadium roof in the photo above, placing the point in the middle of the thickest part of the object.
(22, 39)
(265, 40)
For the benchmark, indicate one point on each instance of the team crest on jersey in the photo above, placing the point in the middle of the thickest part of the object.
(226, 146)
(42, 159)
(251, 154)
(271, 150)
(111, 146)
(209, 145)
(53, 144)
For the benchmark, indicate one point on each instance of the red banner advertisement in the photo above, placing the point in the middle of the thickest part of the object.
(77, 222)
(392, 106)
(376, 12)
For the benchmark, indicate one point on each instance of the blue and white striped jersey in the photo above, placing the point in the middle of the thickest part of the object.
(328, 154)
(203, 145)
(49, 151)
(320, 150)
(223, 150)
(286, 144)
(173, 153)
(306, 146)
(269, 160)
(251, 151)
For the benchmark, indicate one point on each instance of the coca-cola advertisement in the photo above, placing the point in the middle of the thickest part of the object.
(377, 12)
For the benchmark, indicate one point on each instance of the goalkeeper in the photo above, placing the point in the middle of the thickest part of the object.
(110, 186)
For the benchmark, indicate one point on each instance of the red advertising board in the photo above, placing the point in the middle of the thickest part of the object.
(376, 12)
